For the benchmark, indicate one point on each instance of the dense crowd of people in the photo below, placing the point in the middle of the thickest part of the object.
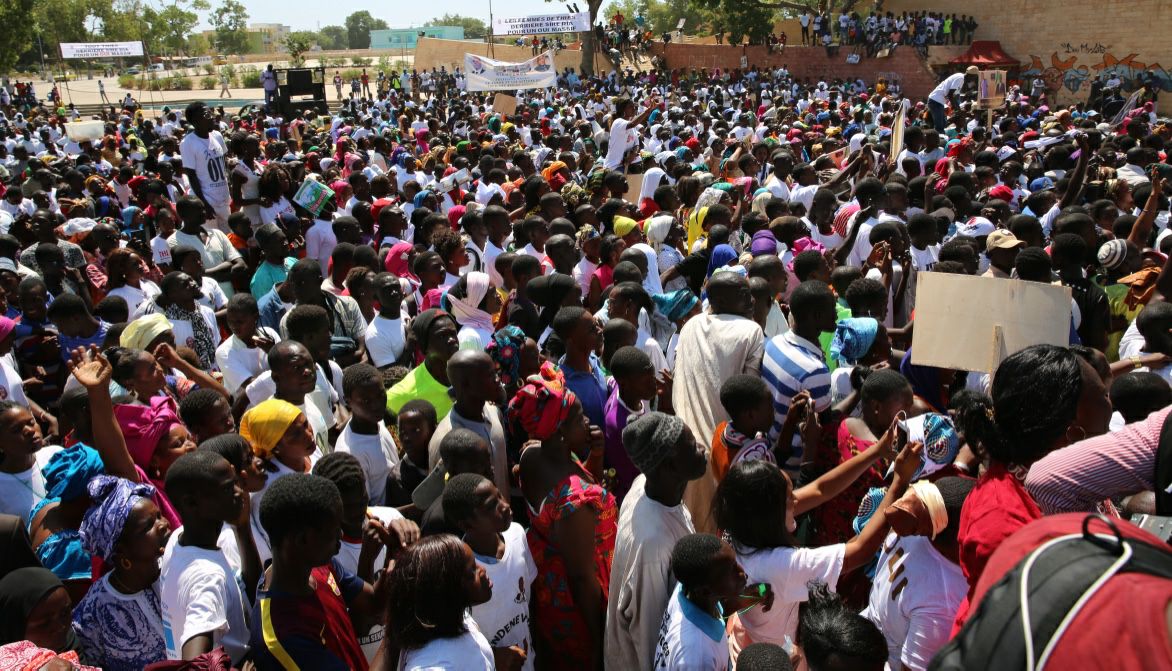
(622, 378)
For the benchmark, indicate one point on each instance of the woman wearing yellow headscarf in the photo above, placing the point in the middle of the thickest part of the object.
(279, 433)
(145, 332)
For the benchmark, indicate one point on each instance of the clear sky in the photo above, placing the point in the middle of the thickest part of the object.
(311, 14)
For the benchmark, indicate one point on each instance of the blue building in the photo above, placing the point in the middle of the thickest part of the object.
(405, 38)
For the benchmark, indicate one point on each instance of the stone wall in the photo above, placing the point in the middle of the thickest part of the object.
(1074, 41)
(916, 79)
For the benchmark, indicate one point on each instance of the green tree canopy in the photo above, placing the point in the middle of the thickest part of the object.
(20, 33)
(230, 21)
(474, 28)
(297, 43)
(358, 27)
(332, 37)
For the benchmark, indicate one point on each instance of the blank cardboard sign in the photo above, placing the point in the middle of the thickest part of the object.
(973, 323)
(634, 186)
(504, 104)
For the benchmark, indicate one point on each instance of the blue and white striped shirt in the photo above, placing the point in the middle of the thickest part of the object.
(792, 364)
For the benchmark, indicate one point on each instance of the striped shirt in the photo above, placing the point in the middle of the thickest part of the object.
(793, 364)
(1079, 477)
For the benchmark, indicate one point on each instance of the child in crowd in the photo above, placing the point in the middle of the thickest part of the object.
(365, 435)
(631, 388)
(304, 607)
(415, 426)
(744, 437)
(432, 588)
(711, 584)
(204, 603)
(244, 354)
(474, 505)
(208, 414)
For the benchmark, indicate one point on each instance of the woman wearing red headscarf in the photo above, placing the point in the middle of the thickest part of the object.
(574, 522)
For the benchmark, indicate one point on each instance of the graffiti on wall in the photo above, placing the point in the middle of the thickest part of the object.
(1068, 73)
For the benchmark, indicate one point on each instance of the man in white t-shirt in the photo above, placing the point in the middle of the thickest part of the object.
(946, 92)
(202, 596)
(386, 335)
(623, 134)
(203, 153)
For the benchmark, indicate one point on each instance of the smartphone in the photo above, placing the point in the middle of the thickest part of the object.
(901, 431)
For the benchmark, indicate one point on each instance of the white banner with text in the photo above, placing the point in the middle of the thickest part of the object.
(485, 74)
(542, 24)
(100, 49)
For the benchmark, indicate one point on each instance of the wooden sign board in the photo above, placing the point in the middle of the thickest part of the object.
(973, 323)
(504, 104)
(634, 186)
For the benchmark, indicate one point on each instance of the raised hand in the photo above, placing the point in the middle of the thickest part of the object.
(90, 367)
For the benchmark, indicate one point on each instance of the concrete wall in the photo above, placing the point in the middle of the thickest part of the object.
(802, 62)
(433, 53)
(398, 38)
(1073, 41)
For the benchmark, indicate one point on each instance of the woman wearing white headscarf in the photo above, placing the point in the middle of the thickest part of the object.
(472, 302)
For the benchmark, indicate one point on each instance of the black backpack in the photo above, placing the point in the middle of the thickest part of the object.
(1059, 577)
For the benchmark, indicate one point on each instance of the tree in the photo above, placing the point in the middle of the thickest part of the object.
(358, 27)
(587, 65)
(752, 19)
(175, 22)
(474, 28)
(199, 45)
(332, 37)
(297, 44)
(18, 35)
(231, 23)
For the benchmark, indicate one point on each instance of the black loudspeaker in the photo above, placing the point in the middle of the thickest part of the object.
(299, 82)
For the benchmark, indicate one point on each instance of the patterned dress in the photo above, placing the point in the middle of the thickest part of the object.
(558, 618)
(834, 518)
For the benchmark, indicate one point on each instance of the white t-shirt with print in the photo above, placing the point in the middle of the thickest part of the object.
(505, 617)
(206, 158)
(160, 251)
(786, 570)
(914, 598)
(467, 652)
(924, 259)
(685, 638)
(347, 557)
(201, 593)
(185, 334)
(11, 384)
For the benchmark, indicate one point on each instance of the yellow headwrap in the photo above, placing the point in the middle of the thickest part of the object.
(696, 225)
(623, 225)
(265, 425)
(140, 332)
